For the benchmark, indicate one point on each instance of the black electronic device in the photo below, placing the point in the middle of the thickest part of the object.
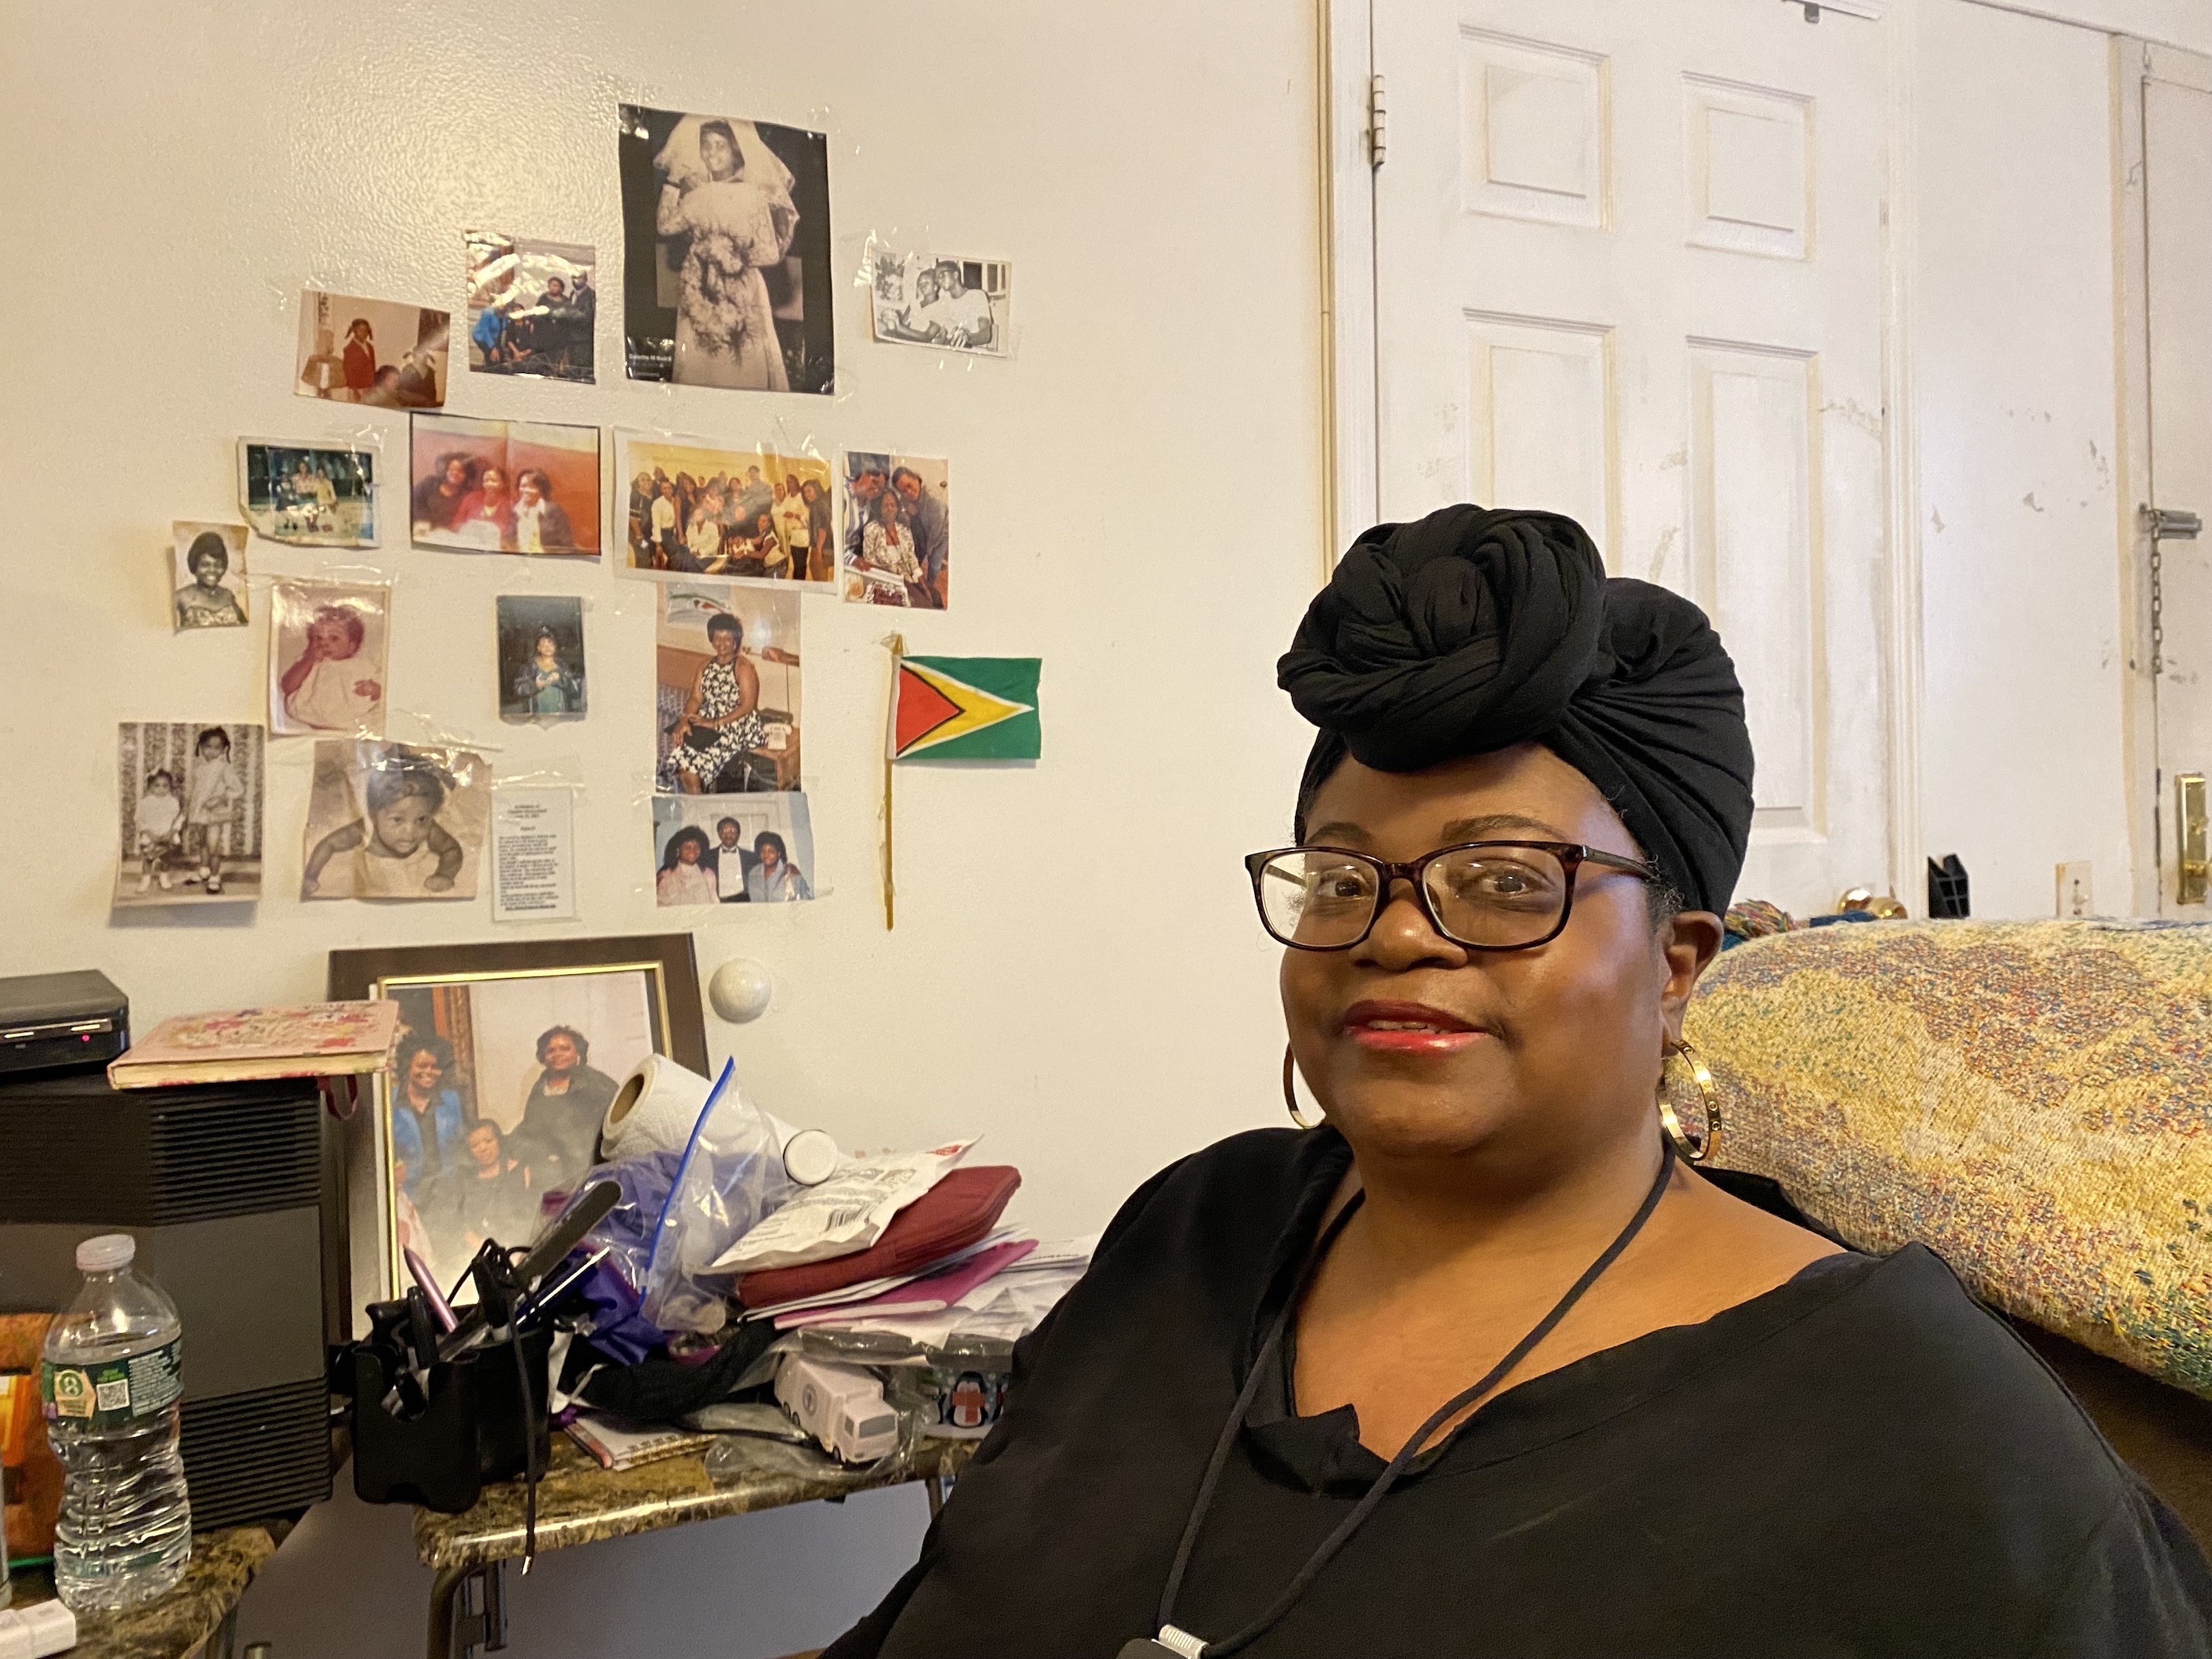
(52, 1021)
(223, 1185)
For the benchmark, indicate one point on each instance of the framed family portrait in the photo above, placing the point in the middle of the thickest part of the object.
(509, 1056)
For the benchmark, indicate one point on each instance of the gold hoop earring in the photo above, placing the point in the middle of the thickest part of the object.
(1290, 1094)
(1698, 1151)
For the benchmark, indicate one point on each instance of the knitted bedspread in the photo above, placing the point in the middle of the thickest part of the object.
(2029, 1099)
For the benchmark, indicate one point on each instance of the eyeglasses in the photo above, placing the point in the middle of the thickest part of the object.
(1484, 895)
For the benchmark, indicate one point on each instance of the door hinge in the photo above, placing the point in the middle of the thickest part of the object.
(1378, 128)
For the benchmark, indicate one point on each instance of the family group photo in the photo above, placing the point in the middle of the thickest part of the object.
(897, 541)
(532, 308)
(497, 1093)
(736, 849)
(308, 495)
(486, 486)
(745, 514)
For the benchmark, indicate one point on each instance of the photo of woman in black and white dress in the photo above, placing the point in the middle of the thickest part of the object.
(726, 231)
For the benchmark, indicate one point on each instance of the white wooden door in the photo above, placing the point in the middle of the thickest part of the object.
(2176, 90)
(1629, 266)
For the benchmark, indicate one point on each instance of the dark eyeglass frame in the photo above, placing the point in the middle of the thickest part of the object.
(1572, 855)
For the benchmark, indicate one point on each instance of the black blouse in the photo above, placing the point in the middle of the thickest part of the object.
(1859, 1462)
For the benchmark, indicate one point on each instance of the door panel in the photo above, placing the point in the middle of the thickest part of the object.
(2177, 244)
(1628, 267)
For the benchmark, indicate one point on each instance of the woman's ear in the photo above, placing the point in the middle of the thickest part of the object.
(1687, 945)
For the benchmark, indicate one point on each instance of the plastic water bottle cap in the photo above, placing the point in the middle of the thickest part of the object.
(105, 1253)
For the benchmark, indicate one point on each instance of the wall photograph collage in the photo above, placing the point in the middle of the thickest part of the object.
(723, 279)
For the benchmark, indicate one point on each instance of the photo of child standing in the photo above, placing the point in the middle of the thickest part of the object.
(191, 808)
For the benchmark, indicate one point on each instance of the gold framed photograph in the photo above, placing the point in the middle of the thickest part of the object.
(509, 1056)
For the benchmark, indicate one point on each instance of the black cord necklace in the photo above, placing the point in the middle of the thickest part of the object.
(1174, 1642)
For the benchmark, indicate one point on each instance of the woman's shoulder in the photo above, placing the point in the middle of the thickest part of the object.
(1246, 1188)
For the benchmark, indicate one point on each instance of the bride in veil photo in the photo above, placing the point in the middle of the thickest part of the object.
(725, 214)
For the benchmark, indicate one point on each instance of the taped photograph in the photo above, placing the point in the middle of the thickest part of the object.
(726, 246)
(727, 692)
(898, 531)
(308, 495)
(207, 574)
(533, 308)
(696, 509)
(949, 301)
(191, 800)
(327, 642)
(504, 486)
(541, 658)
(380, 352)
(731, 849)
(392, 820)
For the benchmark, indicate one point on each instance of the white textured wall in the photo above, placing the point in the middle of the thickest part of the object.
(2013, 370)
(1076, 974)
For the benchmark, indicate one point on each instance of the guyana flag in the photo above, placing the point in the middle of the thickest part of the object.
(966, 708)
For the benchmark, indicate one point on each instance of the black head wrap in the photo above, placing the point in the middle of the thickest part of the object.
(1476, 629)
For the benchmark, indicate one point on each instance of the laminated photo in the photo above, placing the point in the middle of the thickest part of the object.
(380, 352)
(308, 495)
(897, 542)
(695, 509)
(326, 653)
(532, 307)
(727, 692)
(725, 251)
(207, 574)
(541, 658)
(731, 849)
(190, 810)
(952, 301)
(526, 487)
(392, 820)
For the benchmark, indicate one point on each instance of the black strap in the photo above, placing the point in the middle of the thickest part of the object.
(1375, 1494)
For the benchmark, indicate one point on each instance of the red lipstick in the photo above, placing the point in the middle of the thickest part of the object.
(1409, 1028)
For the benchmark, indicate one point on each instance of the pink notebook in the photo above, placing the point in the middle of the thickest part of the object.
(320, 1039)
(932, 1293)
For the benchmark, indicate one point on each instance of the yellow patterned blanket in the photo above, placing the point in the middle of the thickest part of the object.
(2032, 1100)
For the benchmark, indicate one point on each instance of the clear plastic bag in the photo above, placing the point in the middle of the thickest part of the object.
(678, 1211)
(731, 1176)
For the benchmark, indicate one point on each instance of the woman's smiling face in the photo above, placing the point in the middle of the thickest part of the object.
(1419, 1047)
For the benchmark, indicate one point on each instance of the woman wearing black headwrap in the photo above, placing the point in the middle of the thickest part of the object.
(1478, 1365)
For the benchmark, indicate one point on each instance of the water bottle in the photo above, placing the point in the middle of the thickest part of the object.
(109, 1383)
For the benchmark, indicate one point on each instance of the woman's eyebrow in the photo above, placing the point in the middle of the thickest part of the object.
(1338, 834)
(1474, 828)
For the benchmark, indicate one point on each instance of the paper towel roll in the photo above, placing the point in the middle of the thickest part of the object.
(654, 1110)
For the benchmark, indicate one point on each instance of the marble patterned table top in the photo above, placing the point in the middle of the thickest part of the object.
(581, 1503)
(175, 1625)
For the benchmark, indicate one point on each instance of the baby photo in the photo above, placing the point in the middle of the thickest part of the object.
(898, 534)
(541, 658)
(308, 495)
(390, 821)
(326, 650)
(505, 486)
(208, 573)
(190, 801)
(731, 849)
(379, 352)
